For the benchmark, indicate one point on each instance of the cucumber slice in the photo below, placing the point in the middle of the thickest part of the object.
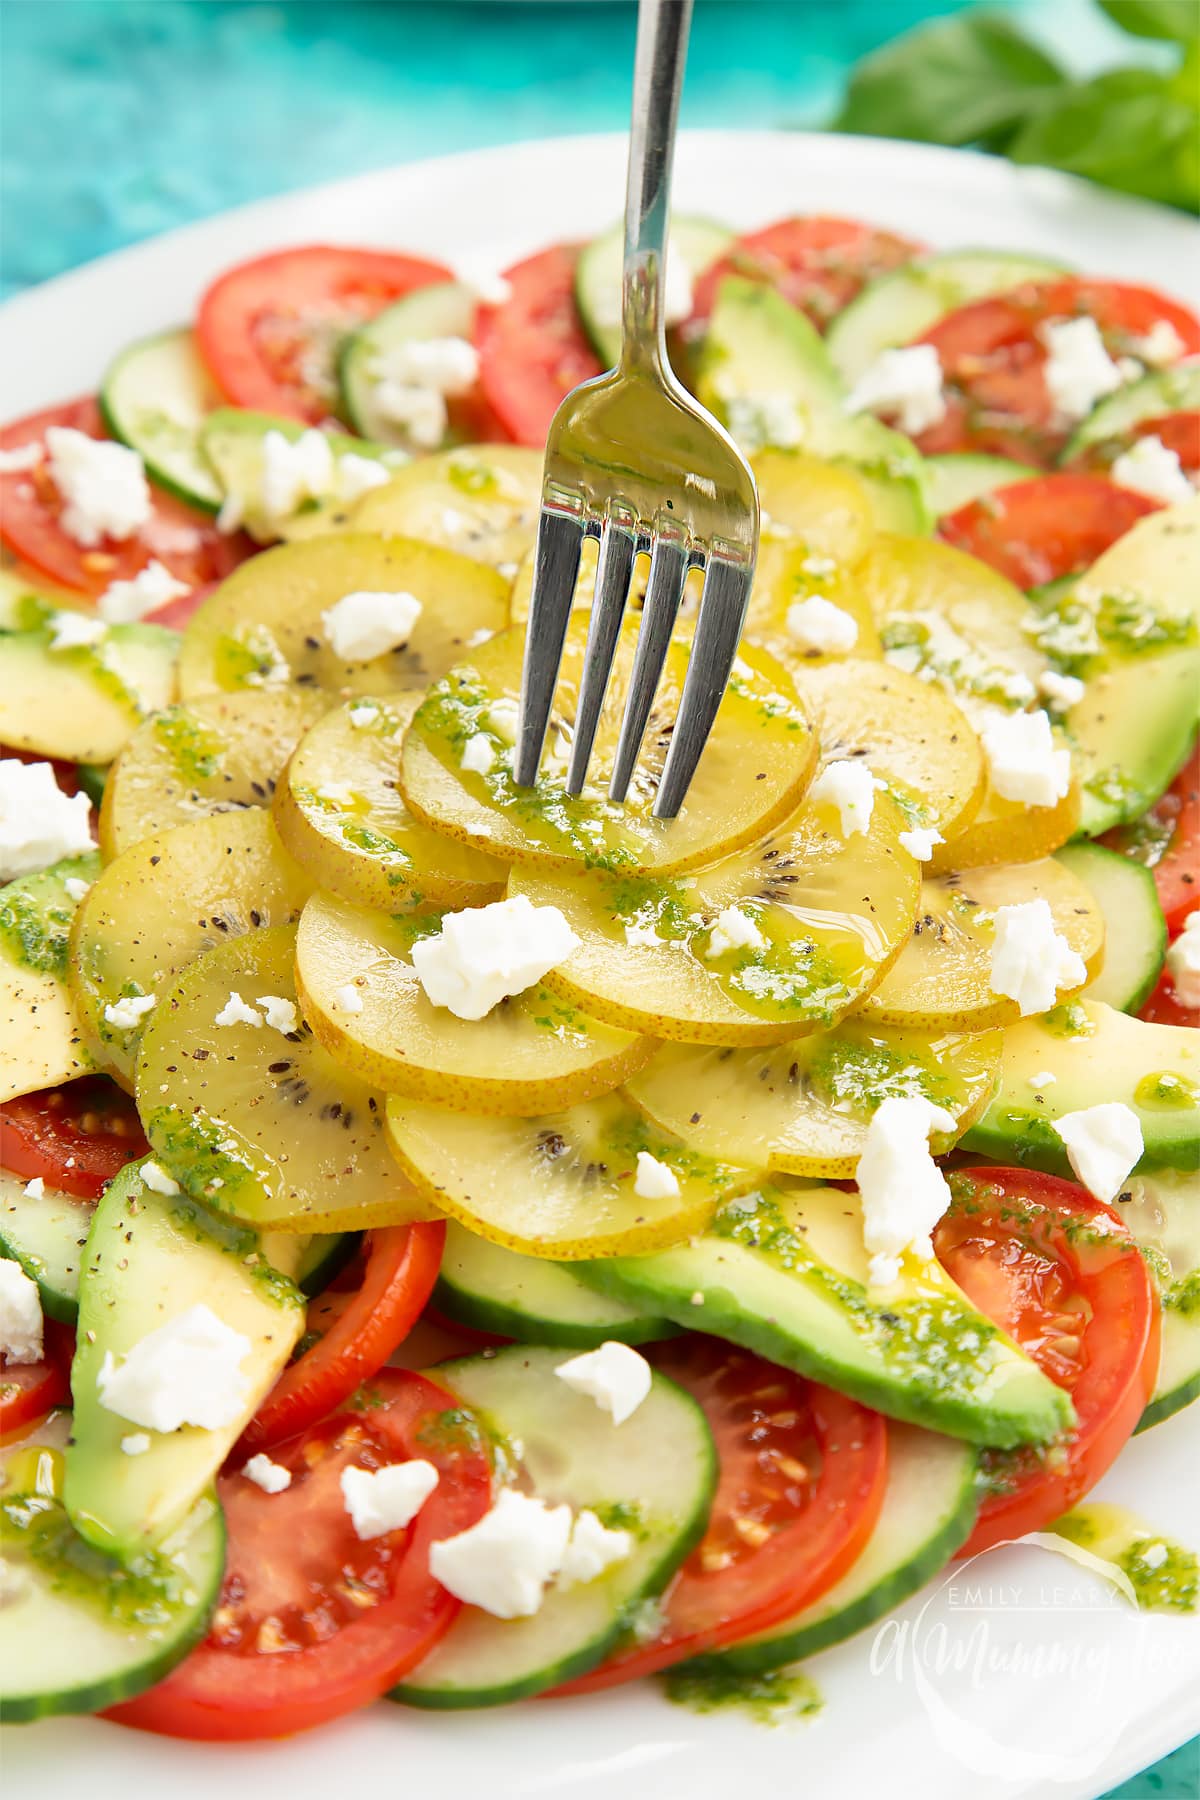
(526, 1297)
(445, 309)
(695, 242)
(784, 1272)
(40, 1039)
(47, 1237)
(80, 1631)
(956, 480)
(1135, 932)
(1094, 1054)
(929, 1507)
(1163, 1213)
(82, 705)
(659, 1468)
(899, 307)
(1163, 391)
(232, 442)
(154, 397)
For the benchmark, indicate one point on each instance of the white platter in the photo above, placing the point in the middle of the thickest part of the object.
(1029, 1680)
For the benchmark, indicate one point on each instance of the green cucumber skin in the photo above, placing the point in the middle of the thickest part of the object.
(154, 469)
(1084, 857)
(1165, 1406)
(482, 1314)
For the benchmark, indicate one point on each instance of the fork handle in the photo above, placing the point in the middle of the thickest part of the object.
(662, 37)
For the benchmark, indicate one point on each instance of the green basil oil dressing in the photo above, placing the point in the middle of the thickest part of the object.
(780, 1697)
(1168, 1090)
(197, 750)
(1164, 1576)
(36, 915)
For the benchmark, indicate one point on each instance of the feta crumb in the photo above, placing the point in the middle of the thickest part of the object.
(186, 1372)
(483, 635)
(504, 1562)
(654, 1180)
(504, 718)
(1155, 1555)
(357, 475)
(850, 787)
(509, 571)
(1149, 468)
(136, 1443)
(155, 1177)
(125, 602)
(293, 471)
(1062, 691)
(615, 1376)
(1031, 961)
(920, 841)
(817, 624)
(906, 382)
(591, 1549)
(1183, 962)
(450, 365)
(697, 1298)
(479, 755)
(20, 459)
(419, 411)
(733, 930)
(362, 716)
(280, 1014)
(387, 1499)
(756, 420)
(1104, 1145)
(76, 889)
(903, 1191)
(39, 824)
(678, 282)
(1162, 344)
(103, 486)
(1078, 370)
(486, 283)
(127, 1013)
(363, 625)
(642, 937)
(1022, 759)
(20, 1315)
(35, 1189)
(75, 631)
(340, 793)
(486, 953)
(236, 1012)
(347, 999)
(819, 566)
(1044, 1079)
(270, 1476)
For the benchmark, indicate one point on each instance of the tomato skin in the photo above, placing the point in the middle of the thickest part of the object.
(259, 319)
(294, 1566)
(1058, 1270)
(817, 263)
(28, 1391)
(363, 1330)
(1177, 431)
(77, 1137)
(1036, 531)
(769, 1424)
(532, 347)
(1176, 862)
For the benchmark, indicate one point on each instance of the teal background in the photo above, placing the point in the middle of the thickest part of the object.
(122, 118)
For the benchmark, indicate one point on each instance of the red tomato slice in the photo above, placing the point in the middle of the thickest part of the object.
(185, 541)
(1061, 1274)
(1164, 1007)
(1177, 431)
(802, 1476)
(532, 348)
(817, 263)
(993, 358)
(312, 1621)
(355, 1333)
(77, 1137)
(28, 1391)
(1035, 531)
(1167, 839)
(269, 329)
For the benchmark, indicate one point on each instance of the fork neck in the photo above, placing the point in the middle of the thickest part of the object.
(662, 37)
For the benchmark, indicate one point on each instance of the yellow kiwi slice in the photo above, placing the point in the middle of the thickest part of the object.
(942, 977)
(162, 903)
(263, 627)
(532, 1053)
(754, 769)
(219, 753)
(1004, 831)
(340, 812)
(480, 500)
(562, 1185)
(259, 1120)
(788, 576)
(832, 912)
(827, 506)
(804, 1106)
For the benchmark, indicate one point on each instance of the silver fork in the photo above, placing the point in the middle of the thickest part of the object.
(632, 459)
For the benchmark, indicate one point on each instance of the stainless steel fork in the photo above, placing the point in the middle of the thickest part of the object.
(633, 460)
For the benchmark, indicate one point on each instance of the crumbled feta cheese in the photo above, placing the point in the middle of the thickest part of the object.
(483, 635)
(363, 624)
(1032, 963)
(20, 1314)
(1162, 344)
(280, 1014)
(615, 1376)
(127, 1013)
(125, 602)
(1062, 691)
(1149, 468)
(347, 999)
(1044, 1079)
(654, 1180)
(1154, 1555)
(76, 889)
(450, 365)
(20, 459)
(186, 1372)
(504, 1563)
(817, 624)
(39, 824)
(756, 420)
(293, 471)
(697, 1298)
(509, 571)
(362, 716)
(155, 1177)
(75, 631)
(35, 1189)
(733, 930)
(903, 1191)
(357, 475)
(419, 411)
(592, 1549)
(486, 283)
(1104, 1145)
(642, 937)
(850, 787)
(485, 953)
(479, 754)
(677, 298)
(1183, 963)
(819, 567)
(383, 1500)
(1078, 370)
(236, 1012)
(136, 1443)
(504, 718)
(270, 1476)
(103, 486)
(920, 841)
(1023, 760)
(905, 382)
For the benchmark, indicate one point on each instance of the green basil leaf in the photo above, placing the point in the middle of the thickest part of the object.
(1176, 20)
(1129, 129)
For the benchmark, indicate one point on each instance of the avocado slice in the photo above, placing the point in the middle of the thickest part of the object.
(231, 440)
(82, 705)
(40, 1039)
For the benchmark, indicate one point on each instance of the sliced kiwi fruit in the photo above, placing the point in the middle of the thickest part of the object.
(219, 753)
(1006, 831)
(804, 1106)
(787, 575)
(480, 500)
(263, 627)
(754, 770)
(532, 1053)
(340, 812)
(164, 902)
(260, 1121)
(824, 504)
(564, 1184)
(833, 913)
(942, 978)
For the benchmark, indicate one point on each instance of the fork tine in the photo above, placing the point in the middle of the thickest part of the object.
(664, 592)
(723, 607)
(556, 566)
(618, 545)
